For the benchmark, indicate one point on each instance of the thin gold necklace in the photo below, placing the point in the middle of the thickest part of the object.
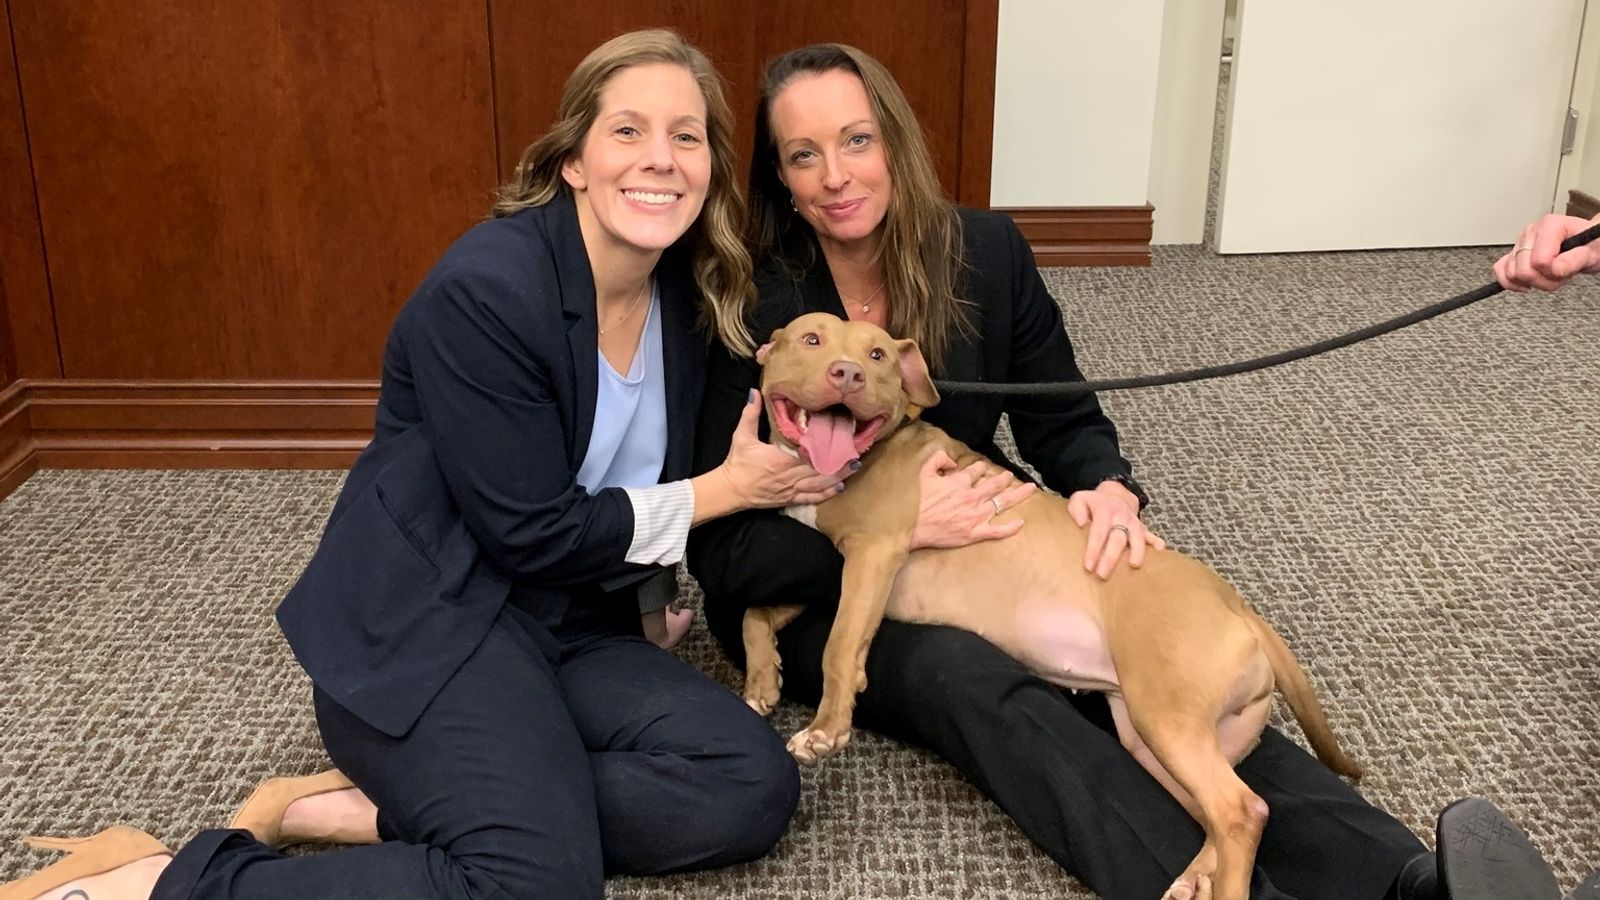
(631, 307)
(866, 307)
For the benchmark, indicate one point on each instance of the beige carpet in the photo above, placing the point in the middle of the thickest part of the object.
(1417, 515)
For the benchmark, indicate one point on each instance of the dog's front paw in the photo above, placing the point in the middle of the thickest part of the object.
(762, 687)
(815, 744)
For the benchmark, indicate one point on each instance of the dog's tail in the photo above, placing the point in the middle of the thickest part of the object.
(1302, 698)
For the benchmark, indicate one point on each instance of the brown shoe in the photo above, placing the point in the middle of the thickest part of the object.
(86, 857)
(262, 814)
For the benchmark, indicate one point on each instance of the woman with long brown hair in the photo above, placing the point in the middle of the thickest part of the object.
(847, 217)
(470, 620)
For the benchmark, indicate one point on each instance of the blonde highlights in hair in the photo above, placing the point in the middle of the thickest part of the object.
(720, 260)
(922, 245)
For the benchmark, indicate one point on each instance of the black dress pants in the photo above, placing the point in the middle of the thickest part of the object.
(1051, 760)
(542, 766)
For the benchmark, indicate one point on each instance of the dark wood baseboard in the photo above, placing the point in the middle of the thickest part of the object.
(17, 460)
(1087, 235)
(1582, 205)
(12, 478)
(73, 424)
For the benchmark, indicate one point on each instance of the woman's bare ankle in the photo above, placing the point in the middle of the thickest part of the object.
(336, 817)
(134, 881)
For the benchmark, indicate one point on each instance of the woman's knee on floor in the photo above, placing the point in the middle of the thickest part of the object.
(757, 792)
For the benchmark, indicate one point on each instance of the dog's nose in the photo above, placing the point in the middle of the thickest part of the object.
(846, 376)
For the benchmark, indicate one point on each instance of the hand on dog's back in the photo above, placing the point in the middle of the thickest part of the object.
(956, 505)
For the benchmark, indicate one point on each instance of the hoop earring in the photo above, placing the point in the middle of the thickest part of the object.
(791, 204)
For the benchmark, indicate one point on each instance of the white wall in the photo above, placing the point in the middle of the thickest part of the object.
(1075, 102)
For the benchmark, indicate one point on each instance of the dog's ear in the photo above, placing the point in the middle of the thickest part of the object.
(914, 374)
(764, 349)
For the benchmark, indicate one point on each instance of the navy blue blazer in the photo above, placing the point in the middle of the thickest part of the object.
(469, 486)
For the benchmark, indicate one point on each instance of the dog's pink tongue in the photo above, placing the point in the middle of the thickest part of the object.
(829, 442)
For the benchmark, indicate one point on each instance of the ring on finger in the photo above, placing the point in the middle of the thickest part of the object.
(1128, 535)
(1522, 250)
(998, 509)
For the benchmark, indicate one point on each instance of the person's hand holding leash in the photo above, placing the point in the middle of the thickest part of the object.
(1537, 261)
(1111, 513)
(958, 508)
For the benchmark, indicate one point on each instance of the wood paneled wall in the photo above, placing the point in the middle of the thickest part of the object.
(230, 191)
(27, 325)
(213, 211)
(248, 190)
(924, 42)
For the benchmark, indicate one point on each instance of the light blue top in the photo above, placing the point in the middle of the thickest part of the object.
(629, 444)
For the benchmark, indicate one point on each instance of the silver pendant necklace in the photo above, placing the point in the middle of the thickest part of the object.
(866, 306)
(631, 307)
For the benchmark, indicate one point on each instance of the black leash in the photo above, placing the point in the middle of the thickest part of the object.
(1070, 388)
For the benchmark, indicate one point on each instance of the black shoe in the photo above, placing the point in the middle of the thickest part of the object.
(1484, 856)
(1589, 890)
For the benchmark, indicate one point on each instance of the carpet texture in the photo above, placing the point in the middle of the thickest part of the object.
(1417, 516)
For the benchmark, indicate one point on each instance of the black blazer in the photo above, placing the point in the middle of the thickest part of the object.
(469, 487)
(751, 558)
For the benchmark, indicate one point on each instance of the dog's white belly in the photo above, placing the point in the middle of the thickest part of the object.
(1053, 636)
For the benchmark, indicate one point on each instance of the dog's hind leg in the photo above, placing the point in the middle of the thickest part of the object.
(1237, 734)
(1189, 754)
(1301, 696)
(1188, 717)
(1135, 745)
(763, 668)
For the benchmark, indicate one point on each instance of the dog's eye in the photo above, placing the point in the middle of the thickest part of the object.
(811, 340)
(877, 353)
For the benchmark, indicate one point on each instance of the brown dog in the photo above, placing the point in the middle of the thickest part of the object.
(1188, 668)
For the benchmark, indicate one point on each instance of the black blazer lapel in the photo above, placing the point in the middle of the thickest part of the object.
(577, 310)
(818, 292)
(683, 358)
(794, 292)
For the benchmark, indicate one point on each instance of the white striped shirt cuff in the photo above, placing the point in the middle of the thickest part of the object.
(662, 514)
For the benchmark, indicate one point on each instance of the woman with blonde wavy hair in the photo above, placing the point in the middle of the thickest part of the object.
(847, 217)
(470, 619)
